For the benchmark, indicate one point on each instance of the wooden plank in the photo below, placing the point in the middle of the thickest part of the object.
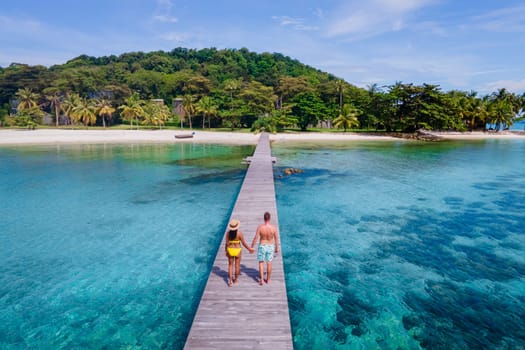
(246, 316)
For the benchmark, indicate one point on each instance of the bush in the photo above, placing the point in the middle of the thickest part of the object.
(20, 121)
(264, 124)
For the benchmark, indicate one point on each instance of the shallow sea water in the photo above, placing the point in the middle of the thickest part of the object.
(392, 245)
(109, 247)
(402, 245)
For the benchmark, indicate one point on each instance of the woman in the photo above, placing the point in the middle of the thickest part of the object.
(233, 247)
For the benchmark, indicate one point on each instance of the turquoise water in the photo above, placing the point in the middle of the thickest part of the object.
(405, 245)
(391, 245)
(109, 247)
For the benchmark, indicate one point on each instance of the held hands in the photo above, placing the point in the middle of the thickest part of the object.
(251, 250)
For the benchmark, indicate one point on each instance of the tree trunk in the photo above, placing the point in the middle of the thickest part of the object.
(57, 115)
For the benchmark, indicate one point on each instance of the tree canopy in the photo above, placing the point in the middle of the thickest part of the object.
(234, 88)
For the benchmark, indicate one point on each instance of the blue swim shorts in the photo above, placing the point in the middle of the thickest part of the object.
(265, 252)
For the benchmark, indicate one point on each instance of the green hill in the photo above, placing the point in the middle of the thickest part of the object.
(157, 74)
(234, 88)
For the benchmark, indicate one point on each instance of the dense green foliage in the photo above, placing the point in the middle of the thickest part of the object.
(233, 88)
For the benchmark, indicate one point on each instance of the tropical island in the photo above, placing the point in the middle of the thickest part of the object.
(110, 237)
(234, 89)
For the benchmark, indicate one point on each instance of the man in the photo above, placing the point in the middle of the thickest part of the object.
(268, 244)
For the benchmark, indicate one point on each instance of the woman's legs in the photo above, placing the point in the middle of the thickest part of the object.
(237, 267)
(230, 270)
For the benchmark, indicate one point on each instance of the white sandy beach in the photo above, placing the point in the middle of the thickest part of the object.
(479, 135)
(64, 136)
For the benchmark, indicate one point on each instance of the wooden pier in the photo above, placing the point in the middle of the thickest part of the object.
(247, 315)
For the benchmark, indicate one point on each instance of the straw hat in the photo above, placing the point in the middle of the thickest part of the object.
(234, 225)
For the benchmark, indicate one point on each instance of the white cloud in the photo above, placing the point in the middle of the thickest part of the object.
(19, 25)
(295, 23)
(55, 44)
(286, 20)
(168, 4)
(177, 37)
(366, 18)
(162, 13)
(433, 28)
(441, 69)
(511, 85)
(318, 12)
(165, 19)
(387, 66)
(28, 57)
(507, 20)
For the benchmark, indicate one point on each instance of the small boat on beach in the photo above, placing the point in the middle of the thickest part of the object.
(184, 136)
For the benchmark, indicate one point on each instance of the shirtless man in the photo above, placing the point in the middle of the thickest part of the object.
(268, 244)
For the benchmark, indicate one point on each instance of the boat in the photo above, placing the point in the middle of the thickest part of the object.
(184, 136)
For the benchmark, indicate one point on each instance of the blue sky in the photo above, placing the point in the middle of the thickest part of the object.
(457, 44)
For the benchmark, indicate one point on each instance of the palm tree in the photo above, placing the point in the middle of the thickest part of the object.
(27, 99)
(85, 112)
(104, 109)
(207, 108)
(189, 106)
(347, 118)
(232, 85)
(156, 114)
(132, 109)
(150, 113)
(373, 90)
(55, 101)
(501, 114)
(69, 104)
(163, 114)
(340, 84)
(474, 110)
(503, 108)
(481, 109)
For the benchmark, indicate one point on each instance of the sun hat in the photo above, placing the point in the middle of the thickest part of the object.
(234, 224)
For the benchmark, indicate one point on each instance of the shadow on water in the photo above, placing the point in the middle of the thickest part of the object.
(169, 190)
(215, 177)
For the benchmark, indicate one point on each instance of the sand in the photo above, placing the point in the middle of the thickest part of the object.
(64, 136)
(479, 135)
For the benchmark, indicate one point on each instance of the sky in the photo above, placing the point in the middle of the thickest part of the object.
(456, 44)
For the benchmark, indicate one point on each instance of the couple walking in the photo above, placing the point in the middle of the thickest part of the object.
(268, 244)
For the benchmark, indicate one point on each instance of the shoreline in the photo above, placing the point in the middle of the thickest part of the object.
(65, 136)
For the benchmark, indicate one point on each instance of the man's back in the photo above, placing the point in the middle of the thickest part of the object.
(267, 233)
